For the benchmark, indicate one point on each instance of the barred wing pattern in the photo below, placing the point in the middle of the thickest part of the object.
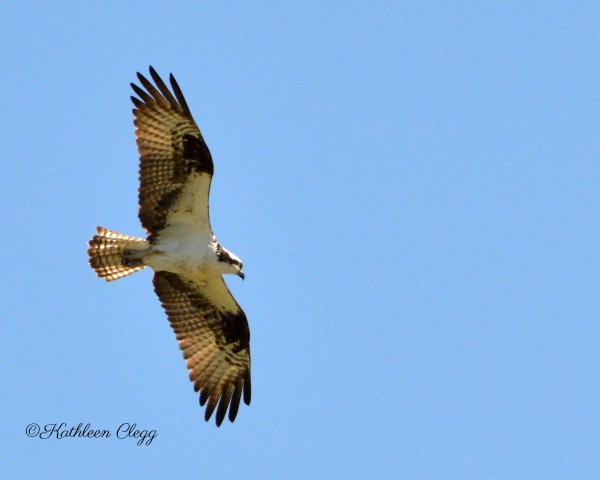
(214, 336)
(171, 149)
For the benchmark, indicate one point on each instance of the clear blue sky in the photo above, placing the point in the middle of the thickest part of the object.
(413, 188)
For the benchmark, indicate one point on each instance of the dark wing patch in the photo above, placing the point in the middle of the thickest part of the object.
(215, 341)
(170, 145)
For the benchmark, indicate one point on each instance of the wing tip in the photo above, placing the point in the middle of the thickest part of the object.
(247, 388)
(226, 404)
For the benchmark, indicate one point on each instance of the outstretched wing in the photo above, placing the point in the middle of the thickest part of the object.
(213, 334)
(175, 164)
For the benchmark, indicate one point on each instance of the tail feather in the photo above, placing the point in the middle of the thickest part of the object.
(107, 250)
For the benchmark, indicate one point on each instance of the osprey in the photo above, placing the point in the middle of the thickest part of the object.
(176, 169)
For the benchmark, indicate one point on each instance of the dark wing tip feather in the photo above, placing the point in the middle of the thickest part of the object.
(247, 388)
(221, 403)
(235, 401)
(140, 93)
(164, 89)
(228, 400)
(136, 101)
(179, 95)
(153, 94)
(141, 78)
(210, 408)
(161, 93)
(224, 403)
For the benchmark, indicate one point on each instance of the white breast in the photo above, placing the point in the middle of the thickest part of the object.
(180, 249)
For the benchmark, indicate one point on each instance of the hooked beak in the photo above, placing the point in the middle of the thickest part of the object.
(241, 275)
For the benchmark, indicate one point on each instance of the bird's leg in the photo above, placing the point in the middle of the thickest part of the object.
(132, 258)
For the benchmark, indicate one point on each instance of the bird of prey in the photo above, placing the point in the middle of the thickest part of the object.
(175, 173)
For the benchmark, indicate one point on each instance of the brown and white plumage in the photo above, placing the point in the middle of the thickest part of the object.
(176, 169)
(215, 343)
(171, 151)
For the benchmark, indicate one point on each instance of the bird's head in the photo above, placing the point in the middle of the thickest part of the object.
(231, 262)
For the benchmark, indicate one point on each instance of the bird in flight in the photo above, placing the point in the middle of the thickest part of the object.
(175, 173)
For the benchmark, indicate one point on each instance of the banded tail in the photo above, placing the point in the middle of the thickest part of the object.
(107, 251)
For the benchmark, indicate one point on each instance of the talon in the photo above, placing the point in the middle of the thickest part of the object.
(131, 262)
